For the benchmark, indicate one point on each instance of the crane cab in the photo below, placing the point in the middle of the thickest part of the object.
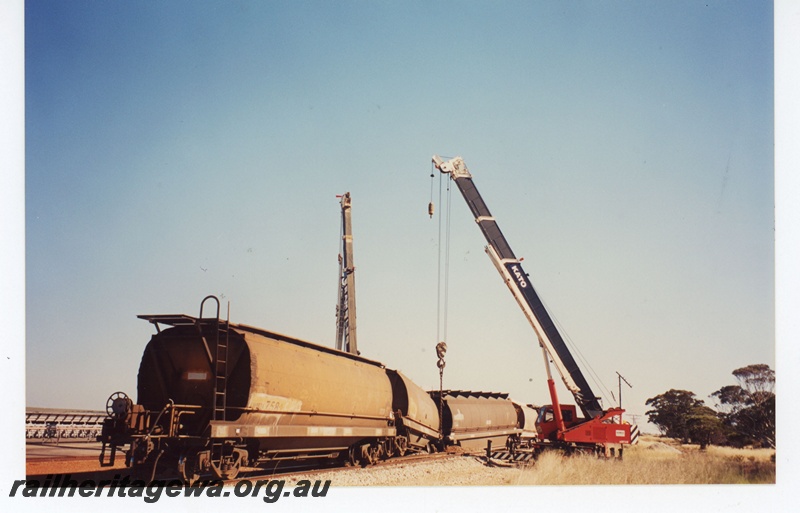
(546, 423)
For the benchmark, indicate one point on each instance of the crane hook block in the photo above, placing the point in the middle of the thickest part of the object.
(430, 209)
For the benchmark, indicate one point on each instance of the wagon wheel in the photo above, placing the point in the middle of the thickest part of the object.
(230, 472)
(368, 454)
(352, 458)
(401, 445)
(229, 468)
(375, 453)
(226, 470)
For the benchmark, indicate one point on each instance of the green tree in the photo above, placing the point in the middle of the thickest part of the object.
(670, 412)
(748, 408)
(705, 426)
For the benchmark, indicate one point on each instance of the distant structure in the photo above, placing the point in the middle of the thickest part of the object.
(54, 425)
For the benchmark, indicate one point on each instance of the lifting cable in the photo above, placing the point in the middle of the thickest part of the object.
(442, 282)
(442, 305)
(447, 260)
(593, 375)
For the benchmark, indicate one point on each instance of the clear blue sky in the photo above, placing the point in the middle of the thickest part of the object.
(180, 149)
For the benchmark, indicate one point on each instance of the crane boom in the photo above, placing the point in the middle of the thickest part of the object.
(517, 280)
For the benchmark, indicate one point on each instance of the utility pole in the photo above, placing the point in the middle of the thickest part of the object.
(620, 379)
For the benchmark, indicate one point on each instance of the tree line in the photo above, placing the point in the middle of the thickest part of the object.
(744, 414)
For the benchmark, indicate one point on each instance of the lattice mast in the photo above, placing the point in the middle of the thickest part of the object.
(346, 306)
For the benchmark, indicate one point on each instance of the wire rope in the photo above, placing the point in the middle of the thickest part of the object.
(447, 261)
(439, 269)
(593, 375)
(443, 259)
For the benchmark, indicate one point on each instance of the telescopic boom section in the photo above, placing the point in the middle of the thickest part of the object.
(346, 307)
(519, 283)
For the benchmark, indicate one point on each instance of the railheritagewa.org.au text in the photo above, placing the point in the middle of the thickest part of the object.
(269, 490)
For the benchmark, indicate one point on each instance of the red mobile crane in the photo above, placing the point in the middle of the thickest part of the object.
(558, 424)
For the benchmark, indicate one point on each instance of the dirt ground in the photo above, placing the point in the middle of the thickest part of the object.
(68, 466)
(66, 458)
(456, 471)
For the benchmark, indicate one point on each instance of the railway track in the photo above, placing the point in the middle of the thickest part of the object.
(86, 467)
(314, 472)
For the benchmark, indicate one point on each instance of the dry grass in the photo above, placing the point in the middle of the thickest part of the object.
(742, 454)
(655, 461)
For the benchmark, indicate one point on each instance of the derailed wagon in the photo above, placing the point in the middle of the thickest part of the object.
(474, 419)
(218, 397)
